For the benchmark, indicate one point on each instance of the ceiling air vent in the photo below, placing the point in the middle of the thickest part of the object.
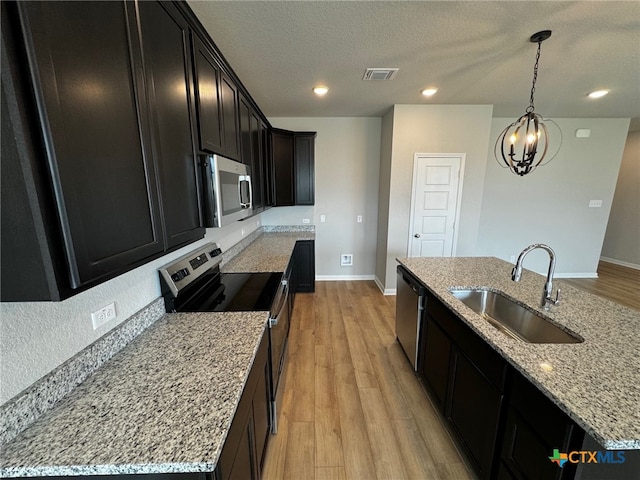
(379, 73)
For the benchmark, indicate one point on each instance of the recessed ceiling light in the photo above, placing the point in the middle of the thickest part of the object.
(320, 90)
(428, 92)
(598, 93)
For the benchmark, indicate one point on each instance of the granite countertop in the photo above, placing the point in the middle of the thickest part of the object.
(270, 252)
(597, 382)
(164, 404)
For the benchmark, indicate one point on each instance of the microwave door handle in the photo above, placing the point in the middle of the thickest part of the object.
(250, 204)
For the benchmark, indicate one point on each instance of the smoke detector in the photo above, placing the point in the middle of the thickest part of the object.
(379, 73)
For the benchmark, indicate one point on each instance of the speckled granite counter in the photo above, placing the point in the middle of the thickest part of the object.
(270, 252)
(163, 404)
(597, 383)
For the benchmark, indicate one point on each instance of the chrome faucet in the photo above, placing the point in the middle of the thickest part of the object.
(516, 273)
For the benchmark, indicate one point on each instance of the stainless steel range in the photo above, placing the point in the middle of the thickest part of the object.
(194, 283)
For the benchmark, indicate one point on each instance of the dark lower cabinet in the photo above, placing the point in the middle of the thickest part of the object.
(434, 367)
(473, 411)
(506, 427)
(534, 427)
(304, 266)
(243, 452)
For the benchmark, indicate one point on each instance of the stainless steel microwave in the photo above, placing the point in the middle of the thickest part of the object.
(227, 189)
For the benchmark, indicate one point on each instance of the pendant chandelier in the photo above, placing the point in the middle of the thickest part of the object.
(524, 144)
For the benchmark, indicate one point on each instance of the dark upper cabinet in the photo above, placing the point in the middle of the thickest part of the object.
(293, 167)
(252, 151)
(218, 108)
(283, 173)
(209, 107)
(230, 109)
(166, 49)
(267, 166)
(304, 157)
(92, 122)
(98, 97)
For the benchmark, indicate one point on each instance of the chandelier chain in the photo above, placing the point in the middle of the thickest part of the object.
(530, 108)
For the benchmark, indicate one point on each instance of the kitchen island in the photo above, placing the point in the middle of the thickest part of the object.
(596, 383)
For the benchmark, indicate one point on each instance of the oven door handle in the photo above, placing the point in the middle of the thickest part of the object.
(273, 321)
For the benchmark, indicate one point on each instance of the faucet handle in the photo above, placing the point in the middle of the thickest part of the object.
(557, 300)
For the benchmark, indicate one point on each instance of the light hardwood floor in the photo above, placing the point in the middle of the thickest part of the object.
(353, 408)
(615, 282)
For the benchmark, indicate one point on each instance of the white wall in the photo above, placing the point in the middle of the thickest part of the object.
(347, 161)
(434, 129)
(551, 204)
(384, 195)
(622, 237)
(39, 336)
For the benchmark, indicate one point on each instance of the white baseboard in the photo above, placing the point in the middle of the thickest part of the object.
(388, 291)
(576, 275)
(620, 262)
(342, 278)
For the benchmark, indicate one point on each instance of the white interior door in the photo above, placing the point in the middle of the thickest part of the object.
(437, 187)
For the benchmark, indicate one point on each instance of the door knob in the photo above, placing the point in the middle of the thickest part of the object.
(417, 235)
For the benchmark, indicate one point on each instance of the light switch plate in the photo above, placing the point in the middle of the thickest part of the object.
(595, 203)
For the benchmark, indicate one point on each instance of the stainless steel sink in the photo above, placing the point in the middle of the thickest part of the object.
(512, 318)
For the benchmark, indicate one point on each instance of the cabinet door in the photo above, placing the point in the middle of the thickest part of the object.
(92, 116)
(244, 466)
(435, 354)
(474, 410)
(304, 168)
(257, 171)
(305, 270)
(267, 165)
(207, 93)
(534, 427)
(261, 413)
(230, 121)
(165, 39)
(283, 182)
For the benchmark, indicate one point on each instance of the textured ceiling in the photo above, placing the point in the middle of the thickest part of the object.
(475, 52)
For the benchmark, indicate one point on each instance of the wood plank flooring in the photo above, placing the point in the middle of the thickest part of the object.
(353, 408)
(615, 282)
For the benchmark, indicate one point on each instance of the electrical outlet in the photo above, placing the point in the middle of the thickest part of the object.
(359, 219)
(104, 315)
(512, 259)
(595, 203)
(323, 218)
(306, 220)
(346, 260)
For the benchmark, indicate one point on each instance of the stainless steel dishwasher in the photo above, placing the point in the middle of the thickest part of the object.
(410, 299)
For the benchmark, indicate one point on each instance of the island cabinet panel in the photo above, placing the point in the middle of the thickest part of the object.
(243, 451)
(466, 379)
(166, 49)
(534, 427)
(434, 364)
(504, 424)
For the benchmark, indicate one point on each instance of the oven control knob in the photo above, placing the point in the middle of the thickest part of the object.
(215, 252)
(179, 275)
